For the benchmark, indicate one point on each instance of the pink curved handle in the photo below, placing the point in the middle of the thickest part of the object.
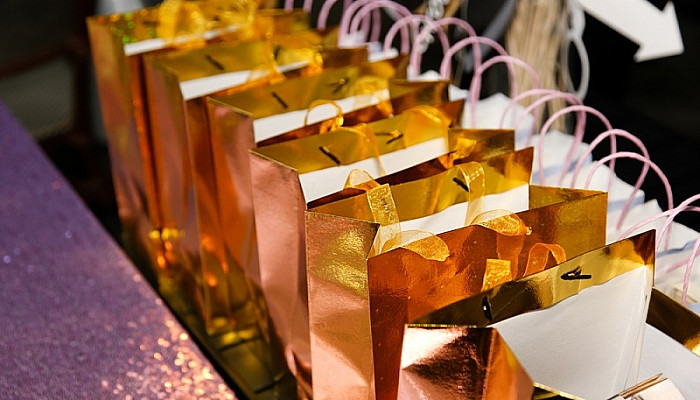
(688, 265)
(475, 87)
(415, 58)
(547, 95)
(307, 5)
(581, 109)
(367, 6)
(401, 24)
(688, 270)
(635, 156)
(376, 26)
(289, 5)
(672, 215)
(642, 175)
(373, 7)
(322, 20)
(669, 214)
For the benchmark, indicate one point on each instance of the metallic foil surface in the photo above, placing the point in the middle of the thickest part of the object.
(341, 337)
(279, 213)
(121, 85)
(454, 362)
(550, 287)
(675, 320)
(169, 117)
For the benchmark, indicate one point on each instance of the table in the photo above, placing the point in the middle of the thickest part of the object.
(77, 319)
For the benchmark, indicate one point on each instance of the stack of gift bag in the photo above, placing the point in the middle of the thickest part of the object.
(332, 222)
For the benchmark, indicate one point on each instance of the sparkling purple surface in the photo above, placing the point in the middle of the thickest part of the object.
(77, 320)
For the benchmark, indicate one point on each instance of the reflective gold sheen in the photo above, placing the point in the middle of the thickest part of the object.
(675, 320)
(218, 302)
(280, 204)
(546, 288)
(403, 286)
(121, 86)
(341, 281)
(451, 362)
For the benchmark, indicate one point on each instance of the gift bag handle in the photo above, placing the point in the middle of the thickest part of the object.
(475, 87)
(670, 216)
(401, 23)
(548, 95)
(636, 156)
(416, 52)
(375, 24)
(545, 128)
(329, 124)
(640, 179)
(384, 212)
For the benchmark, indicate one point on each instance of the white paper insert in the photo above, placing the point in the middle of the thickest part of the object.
(194, 88)
(323, 182)
(274, 125)
(589, 344)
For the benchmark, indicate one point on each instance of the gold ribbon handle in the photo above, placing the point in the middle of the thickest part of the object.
(389, 234)
(329, 124)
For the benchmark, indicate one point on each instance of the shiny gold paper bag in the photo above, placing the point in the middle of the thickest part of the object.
(223, 198)
(168, 75)
(452, 362)
(343, 340)
(285, 173)
(578, 326)
(118, 43)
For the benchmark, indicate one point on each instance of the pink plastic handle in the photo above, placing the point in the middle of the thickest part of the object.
(363, 11)
(307, 5)
(688, 270)
(662, 176)
(579, 109)
(376, 25)
(475, 87)
(401, 24)
(288, 5)
(681, 207)
(548, 95)
(415, 58)
(642, 175)
(367, 6)
(325, 10)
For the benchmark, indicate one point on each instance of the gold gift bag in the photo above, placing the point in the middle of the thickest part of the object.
(118, 43)
(577, 326)
(455, 362)
(229, 250)
(233, 66)
(340, 324)
(307, 163)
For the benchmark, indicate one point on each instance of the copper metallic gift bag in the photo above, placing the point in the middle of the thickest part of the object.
(340, 324)
(224, 204)
(454, 362)
(284, 174)
(118, 43)
(458, 362)
(578, 326)
(173, 78)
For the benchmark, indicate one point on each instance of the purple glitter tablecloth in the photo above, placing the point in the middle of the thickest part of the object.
(77, 320)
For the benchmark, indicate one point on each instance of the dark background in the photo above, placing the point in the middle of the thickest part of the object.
(46, 79)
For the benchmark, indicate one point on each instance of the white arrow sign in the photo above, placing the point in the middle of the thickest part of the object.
(656, 32)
